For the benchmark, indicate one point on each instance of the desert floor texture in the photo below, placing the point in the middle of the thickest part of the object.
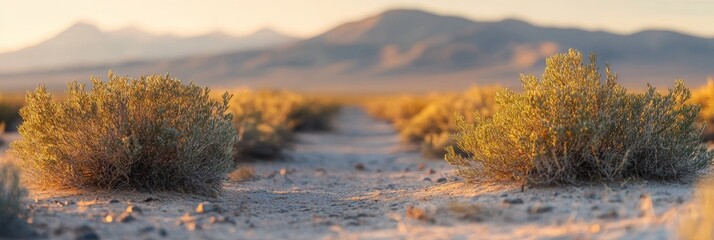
(361, 182)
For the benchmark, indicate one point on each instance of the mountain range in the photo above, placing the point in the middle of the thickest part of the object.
(85, 44)
(415, 51)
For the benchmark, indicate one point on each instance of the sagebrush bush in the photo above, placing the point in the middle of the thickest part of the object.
(572, 125)
(266, 120)
(152, 133)
(434, 123)
(11, 194)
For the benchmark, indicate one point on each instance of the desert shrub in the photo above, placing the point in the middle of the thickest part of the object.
(11, 195)
(10, 105)
(698, 223)
(433, 125)
(266, 120)
(705, 97)
(572, 125)
(397, 110)
(152, 133)
(314, 115)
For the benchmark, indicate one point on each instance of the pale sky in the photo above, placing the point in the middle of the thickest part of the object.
(27, 22)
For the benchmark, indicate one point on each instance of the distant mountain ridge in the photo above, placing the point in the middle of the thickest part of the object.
(85, 44)
(413, 50)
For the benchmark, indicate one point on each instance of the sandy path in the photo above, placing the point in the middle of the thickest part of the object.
(322, 195)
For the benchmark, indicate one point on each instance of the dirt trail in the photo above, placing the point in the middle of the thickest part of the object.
(320, 192)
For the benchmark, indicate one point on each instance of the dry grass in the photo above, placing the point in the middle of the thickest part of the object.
(572, 125)
(153, 133)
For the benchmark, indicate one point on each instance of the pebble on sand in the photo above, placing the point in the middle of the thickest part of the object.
(205, 207)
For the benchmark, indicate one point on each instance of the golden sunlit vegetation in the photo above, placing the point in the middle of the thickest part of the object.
(429, 120)
(434, 124)
(11, 194)
(397, 110)
(266, 120)
(152, 133)
(698, 222)
(572, 125)
(704, 96)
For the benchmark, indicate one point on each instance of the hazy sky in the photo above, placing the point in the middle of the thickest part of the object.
(27, 22)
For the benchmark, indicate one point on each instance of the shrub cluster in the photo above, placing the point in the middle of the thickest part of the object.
(11, 195)
(152, 133)
(266, 120)
(572, 125)
(429, 120)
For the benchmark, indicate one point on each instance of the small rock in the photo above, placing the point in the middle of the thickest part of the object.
(150, 199)
(283, 172)
(147, 229)
(220, 219)
(205, 207)
(85, 233)
(538, 209)
(646, 206)
(611, 214)
(421, 167)
(418, 213)
(592, 196)
(186, 218)
(513, 201)
(441, 180)
(133, 209)
(359, 167)
(427, 179)
(113, 201)
(431, 171)
(193, 226)
(109, 218)
(163, 233)
(125, 217)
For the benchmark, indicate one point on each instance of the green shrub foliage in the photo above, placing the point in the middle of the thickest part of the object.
(572, 125)
(152, 133)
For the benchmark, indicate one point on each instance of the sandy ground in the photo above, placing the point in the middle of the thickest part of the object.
(360, 182)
